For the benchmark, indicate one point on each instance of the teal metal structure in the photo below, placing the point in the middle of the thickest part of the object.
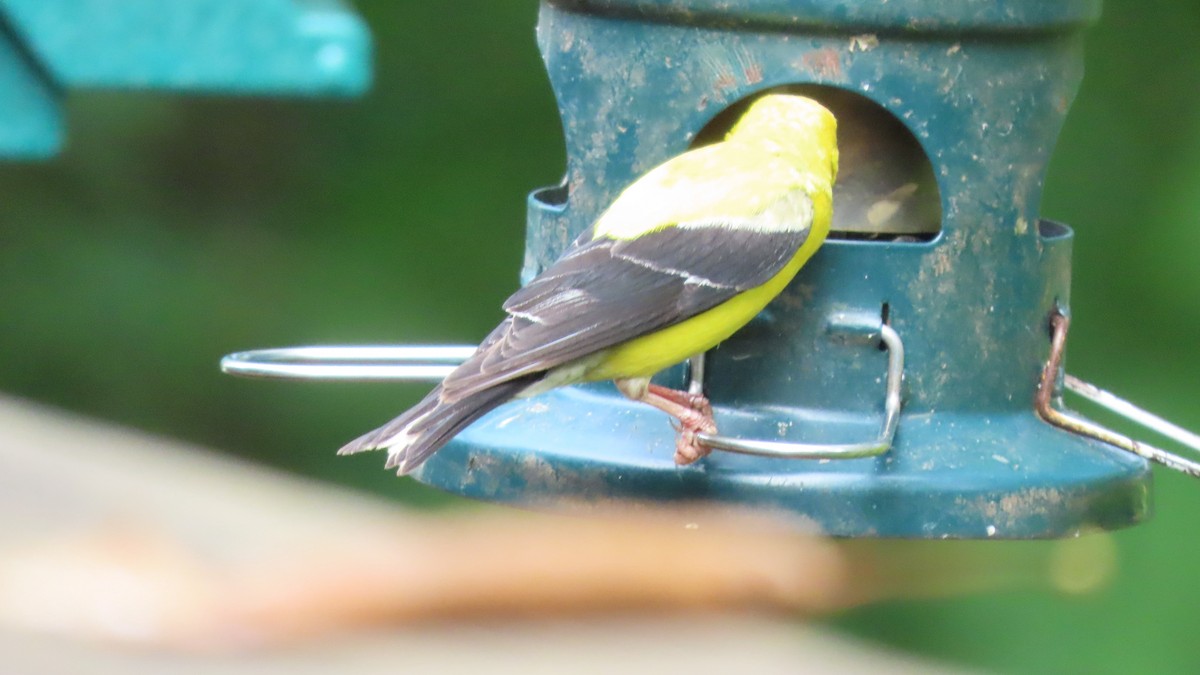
(980, 90)
(276, 47)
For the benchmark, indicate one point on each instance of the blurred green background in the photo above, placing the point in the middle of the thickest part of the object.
(172, 231)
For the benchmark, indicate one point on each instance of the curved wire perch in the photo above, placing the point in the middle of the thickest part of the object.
(434, 362)
(871, 330)
(345, 362)
(1059, 325)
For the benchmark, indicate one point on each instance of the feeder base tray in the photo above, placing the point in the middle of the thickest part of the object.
(949, 474)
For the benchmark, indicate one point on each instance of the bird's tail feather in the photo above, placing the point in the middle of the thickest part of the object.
(423, 429)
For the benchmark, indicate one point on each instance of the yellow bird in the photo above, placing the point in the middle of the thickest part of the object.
(682, 259)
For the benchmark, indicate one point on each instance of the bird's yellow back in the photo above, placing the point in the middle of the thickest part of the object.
(780, 145)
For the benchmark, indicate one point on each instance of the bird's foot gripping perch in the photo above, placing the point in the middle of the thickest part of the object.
(693, 411)
(697, 402)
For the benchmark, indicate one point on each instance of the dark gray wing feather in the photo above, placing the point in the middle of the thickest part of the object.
(604, 292)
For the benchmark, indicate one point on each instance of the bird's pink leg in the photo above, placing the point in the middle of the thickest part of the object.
(692, 410)
(697, 402)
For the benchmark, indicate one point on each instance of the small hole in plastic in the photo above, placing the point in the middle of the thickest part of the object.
(1052, 229)
(555, 195)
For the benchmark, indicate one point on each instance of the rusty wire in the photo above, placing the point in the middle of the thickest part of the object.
(1059, 325)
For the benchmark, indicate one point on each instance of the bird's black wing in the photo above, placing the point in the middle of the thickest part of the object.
(604, 292)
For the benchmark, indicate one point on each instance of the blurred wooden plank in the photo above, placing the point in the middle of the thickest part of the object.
(620, 645)
(93, 494)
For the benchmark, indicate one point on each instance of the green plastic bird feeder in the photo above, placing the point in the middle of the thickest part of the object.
(906, 384)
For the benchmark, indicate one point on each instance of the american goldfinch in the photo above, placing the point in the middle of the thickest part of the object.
(683, 258)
